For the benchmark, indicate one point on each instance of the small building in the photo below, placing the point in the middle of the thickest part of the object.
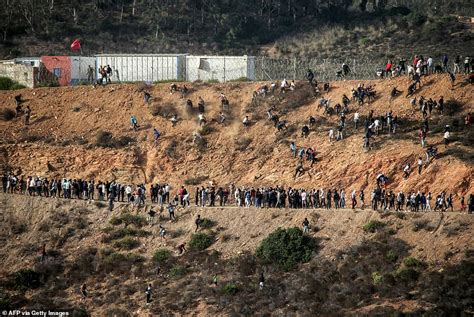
(67, 70)
(26, 75)
(143, 67)
(220, 68)
(30, 61)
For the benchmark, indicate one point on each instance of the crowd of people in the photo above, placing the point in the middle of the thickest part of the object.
(211, 196)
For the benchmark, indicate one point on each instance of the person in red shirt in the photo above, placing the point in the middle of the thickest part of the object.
(467, 120)
(388, 68)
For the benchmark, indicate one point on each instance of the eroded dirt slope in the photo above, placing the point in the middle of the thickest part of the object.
(66, 120)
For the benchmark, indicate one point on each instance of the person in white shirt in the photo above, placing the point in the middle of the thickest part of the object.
(202, 119)
(446, 139)
(420, 165)
(356, 119)
(246, 121)
(331, 135)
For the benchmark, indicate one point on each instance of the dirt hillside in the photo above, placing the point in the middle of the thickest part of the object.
(338, 280)
(61, 139)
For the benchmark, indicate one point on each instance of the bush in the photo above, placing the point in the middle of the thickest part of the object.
(178, 271)
(200, 241)
(422, 224)
(373, 226)
(161, 255)
(126, 243)
(407, 274)
(230, 289)
(127, 219)
(196, 180)
(392, 256)
(9, 84)
(120, 233)
(7, 114)
(286, 248)
(26, 279)
(49, 83)
(377, 278)
(206, 129)
(207, 223)
(412, 262)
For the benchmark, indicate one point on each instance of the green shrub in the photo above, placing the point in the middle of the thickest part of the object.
(206, 129)
(207, 223)
(5, 83)
(407, 274)
(230, 289)
(412, 262)
(161, 255)
(114, 234)
(178, 271)
(49, 83)
(7, 114)
(26, 279)
(286, 248)
(9, 84)
(126, 243)
(377, 278)
(373, 226)
(200, 241)
(392, 256)
(127, 219)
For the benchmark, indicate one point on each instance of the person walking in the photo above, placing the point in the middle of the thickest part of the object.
(148, 292)
(305, 225)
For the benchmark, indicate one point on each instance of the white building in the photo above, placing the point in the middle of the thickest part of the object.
(220, 68)
(144, 67)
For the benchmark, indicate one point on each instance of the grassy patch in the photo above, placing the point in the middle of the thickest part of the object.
(126, 243)
(207, 223)
(161, 255)
(178, 271)
(127, 219)
(373, 226)
(230, 289)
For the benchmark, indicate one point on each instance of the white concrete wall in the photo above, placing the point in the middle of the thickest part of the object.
(142, 67)
(221, 68)
(79, 65)
(23, 74)
(29, 61)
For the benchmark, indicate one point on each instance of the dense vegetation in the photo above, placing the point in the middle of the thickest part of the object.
(228, 26)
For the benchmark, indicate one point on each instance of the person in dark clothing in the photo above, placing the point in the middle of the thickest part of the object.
(84, 291)
(198, 222)
(305, 225)
(261, 281)
(148, 294)
(310, 76)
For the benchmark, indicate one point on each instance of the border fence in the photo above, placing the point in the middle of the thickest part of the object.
(324, 69)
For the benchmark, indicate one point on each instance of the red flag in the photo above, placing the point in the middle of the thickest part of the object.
(76, 45)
